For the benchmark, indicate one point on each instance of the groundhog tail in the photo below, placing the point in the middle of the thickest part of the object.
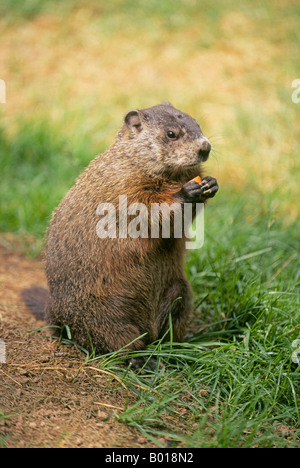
(36, 299)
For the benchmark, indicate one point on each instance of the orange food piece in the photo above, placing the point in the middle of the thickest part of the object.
(197, 179)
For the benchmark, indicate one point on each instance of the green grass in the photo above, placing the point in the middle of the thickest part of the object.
(38, 167)
(233, 383)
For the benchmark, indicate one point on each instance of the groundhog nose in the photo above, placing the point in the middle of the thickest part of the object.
(204, 150)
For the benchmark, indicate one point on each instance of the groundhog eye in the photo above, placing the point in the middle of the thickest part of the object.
(171, 135)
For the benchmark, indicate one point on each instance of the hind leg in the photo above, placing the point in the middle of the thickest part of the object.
(114, 336)
(95, 325)
(176, 301)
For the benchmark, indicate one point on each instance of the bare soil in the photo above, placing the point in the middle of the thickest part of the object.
(48, 396)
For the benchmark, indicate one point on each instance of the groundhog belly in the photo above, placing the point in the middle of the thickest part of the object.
(153, 289)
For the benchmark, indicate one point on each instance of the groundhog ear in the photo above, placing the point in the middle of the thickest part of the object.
(133, 120)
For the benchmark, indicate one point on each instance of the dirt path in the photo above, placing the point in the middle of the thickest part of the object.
(47, 398)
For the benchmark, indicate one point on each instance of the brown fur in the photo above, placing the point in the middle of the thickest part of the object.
(111, 291)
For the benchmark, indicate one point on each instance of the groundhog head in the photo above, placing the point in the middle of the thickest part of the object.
(166, 136)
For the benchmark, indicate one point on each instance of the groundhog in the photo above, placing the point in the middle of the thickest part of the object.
(115, 290)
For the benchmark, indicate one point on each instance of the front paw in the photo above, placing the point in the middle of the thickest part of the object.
(194, 192)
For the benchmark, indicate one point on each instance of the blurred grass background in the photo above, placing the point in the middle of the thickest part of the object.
(72, 70)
